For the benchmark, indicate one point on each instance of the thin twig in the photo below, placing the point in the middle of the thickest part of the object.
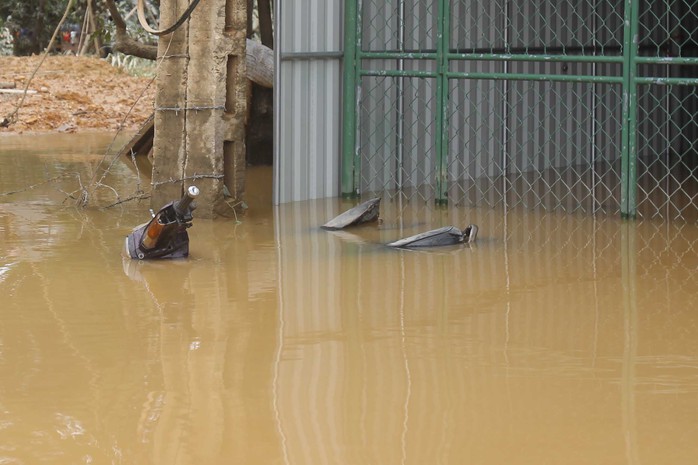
(138, 171)
(116, 194)
(83, 35)
(232, 207)
(68, 195)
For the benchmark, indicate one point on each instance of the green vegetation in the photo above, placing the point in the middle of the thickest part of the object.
(28, 26)
(132, 65)
(5, 40)
(31, 24)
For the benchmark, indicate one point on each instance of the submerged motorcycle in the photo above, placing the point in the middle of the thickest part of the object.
(369, 211)
(164, 236)
(360, 214)
(448, 235)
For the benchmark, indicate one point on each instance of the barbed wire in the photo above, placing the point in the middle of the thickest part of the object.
(42, 183)
(201, 108)
(187, 178)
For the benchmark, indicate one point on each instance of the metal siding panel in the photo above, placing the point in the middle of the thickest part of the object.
(300, 98)
(316, 30)
(331, 145)
(308, 111)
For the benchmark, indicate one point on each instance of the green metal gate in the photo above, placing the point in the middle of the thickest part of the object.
(587, 105)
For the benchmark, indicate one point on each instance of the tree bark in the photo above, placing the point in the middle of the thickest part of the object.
(122, 40)
(260, 127)
(38, 27)
(250, 14)
(266, 28)
(260, 64)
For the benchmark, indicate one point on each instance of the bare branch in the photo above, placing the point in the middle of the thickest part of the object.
(122, 40)
(260, 63)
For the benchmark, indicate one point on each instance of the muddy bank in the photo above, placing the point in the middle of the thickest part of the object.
(73, 93)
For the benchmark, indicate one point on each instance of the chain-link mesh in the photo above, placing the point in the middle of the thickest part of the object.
(531, 104)
(406, 26)
(499, 132)
(668, 151)
(477, 142)
(398, 136)
(667, 125)
(540, 27)
(668, 29)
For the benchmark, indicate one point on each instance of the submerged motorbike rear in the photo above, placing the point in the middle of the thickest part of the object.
(165, 235)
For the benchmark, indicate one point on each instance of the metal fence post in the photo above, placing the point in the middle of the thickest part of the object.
(349, 124)
(442, 44)
(628, 206)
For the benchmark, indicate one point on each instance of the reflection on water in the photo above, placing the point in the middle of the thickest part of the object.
(552, 339)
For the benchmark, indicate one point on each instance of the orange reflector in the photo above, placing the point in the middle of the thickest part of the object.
(152, 234)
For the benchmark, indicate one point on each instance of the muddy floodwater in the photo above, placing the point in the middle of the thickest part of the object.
(554, 339)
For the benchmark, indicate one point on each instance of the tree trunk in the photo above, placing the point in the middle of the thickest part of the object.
(35, 46)
(266, 28)
(260, 128)
(260, 64)
(250, 14)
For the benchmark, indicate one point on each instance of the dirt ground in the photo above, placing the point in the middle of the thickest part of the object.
(73, 94)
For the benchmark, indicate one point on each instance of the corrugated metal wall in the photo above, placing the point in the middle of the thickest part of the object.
(307, 99)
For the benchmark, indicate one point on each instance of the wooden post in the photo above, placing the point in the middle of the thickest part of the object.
(201, 106)
(236, 90)
(170, 99)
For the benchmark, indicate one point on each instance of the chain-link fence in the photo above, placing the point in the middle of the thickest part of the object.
(536, 104)
(667, 154)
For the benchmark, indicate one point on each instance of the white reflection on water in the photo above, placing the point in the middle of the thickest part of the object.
(5, 269)
(69, 427)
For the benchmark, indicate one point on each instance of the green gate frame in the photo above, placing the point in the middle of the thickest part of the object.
(353, 73)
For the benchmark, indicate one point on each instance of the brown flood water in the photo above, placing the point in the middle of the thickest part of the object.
(554, 339)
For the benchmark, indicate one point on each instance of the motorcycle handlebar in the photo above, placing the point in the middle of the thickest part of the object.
(183, 204)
